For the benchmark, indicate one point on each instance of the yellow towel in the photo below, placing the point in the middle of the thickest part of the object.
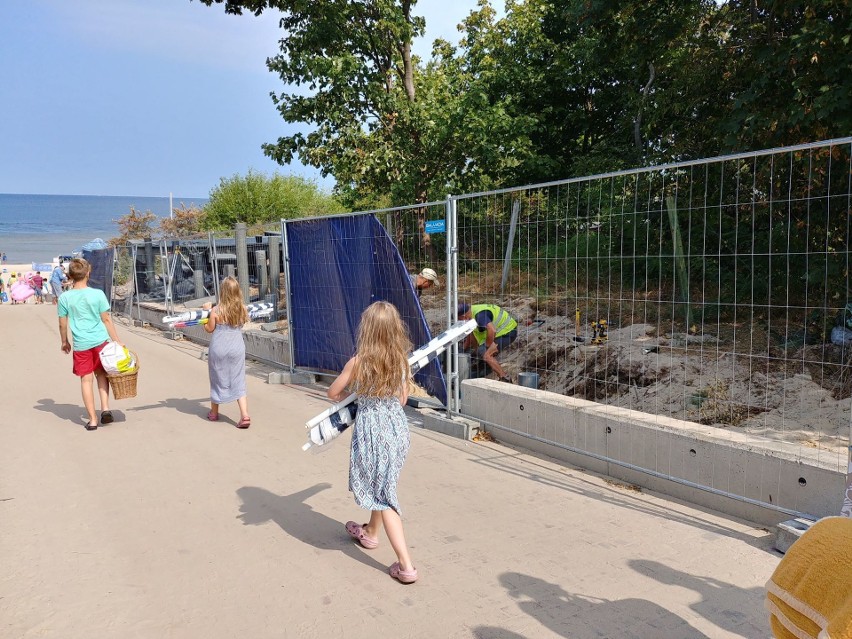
(810, 593)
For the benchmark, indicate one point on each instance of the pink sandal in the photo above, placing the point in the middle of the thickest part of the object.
(213, 417)
(356, 531)
(403, 576)
(245, 422)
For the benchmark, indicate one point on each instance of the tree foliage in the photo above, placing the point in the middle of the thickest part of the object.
(256, 198)
(551, 89)
(136, 225)
(184, 222)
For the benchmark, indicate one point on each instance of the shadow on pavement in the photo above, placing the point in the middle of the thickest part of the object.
(74, 413)
(572, 480)
(197, 407)
(299, 520)
(579, 616)
(717, 597)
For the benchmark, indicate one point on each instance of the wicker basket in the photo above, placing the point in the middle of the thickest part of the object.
(123, 385)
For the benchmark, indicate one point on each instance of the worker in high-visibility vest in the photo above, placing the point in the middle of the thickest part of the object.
(495, 331)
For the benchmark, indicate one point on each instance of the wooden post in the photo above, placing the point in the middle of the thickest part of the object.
(507, 262)
(241, 249)
(681, 272)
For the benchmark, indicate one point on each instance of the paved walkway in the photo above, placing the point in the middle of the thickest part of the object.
(166, 525)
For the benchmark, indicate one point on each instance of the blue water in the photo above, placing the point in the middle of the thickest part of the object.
(37, 228)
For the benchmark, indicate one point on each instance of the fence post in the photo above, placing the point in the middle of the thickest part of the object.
(681, 275)
(454, 400)
(241, 249)
(262, 274)
(214, 263)
(288, 287)
(149, 264)
(513, 225)
(198, 283)
(274, 273)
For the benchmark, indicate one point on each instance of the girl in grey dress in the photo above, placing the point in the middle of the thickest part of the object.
(226, 356)
(379, 375)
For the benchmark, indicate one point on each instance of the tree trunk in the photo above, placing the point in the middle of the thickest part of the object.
(637, 123)
(408, 69)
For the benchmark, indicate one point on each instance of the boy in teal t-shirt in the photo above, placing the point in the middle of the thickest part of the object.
(86, 311)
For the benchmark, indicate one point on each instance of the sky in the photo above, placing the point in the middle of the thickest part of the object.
(146, 97)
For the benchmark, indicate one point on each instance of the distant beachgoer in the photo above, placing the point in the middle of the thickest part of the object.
(37, 282)
(57, 278)
(226, 356)
(2, 291)
(4, 258)
(9, 284)
(86, 311)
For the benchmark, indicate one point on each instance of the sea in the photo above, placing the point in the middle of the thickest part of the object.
(37, 228)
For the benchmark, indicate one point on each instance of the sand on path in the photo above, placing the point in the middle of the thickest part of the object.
(166, 525)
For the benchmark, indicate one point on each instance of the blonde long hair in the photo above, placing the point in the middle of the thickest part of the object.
(381, 365)
(231, 310)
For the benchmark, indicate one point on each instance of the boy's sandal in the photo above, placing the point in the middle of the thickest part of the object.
(403, 576)
(91, 426)
(245, 422)
(106, 417)
(356, 531)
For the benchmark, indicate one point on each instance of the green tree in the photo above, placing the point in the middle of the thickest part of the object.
(788, 71)
(256, 199)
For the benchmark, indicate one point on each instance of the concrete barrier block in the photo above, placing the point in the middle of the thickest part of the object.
(592, 433)
(460, 427)
(509, 411)
(744, 465)
(550, 418)
(732, 461)
(788, 532)
(811, 490)
(474, 401)
(286, 377)
(706, 455)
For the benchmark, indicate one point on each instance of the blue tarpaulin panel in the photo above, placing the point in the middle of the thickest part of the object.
(338, 267)
(102, 261)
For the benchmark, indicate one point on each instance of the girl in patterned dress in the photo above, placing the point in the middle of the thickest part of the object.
(226, 356)
(379, 375)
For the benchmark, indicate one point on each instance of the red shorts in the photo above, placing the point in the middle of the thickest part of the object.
(86, 362)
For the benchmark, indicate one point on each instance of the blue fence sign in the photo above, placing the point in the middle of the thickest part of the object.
(436, 226)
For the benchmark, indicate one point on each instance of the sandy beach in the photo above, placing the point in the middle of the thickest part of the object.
(163, 524)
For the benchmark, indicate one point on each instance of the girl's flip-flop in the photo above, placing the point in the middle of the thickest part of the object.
(356, 531)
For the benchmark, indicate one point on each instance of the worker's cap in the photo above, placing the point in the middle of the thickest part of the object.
(429, 274)
(463, 309)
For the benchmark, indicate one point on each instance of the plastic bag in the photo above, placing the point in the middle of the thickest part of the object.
(117, 359)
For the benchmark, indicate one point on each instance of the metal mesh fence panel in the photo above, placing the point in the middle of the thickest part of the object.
(713, 291)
